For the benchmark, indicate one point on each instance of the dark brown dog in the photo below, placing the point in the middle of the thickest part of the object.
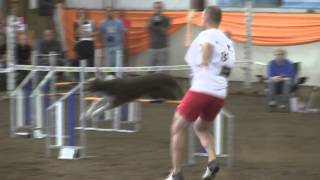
(123, 90)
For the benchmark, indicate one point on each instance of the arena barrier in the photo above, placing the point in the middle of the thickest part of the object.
(20, 115)
(58, 122)
(129, 114)
(19, 95)
(125, 115)
(61, 133)
(223, 131)
(26, 102)
(41, 100)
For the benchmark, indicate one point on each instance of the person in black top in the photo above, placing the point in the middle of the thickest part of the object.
(3, 49)
(84, 37)
(23, 50)
(48, 45)
(22, 54)
(158, 26)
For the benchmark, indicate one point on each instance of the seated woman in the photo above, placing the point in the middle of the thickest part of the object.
(280, 75)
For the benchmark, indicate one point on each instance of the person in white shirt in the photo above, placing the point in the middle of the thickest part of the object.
(85, 30)
(211, 57)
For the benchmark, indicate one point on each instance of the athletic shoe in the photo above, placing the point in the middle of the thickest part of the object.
(272, 103)
(272, 106)
(283, 108)
(211, 171)
(172, 176)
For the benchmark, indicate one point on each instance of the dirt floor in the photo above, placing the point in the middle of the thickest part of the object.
(268, 146)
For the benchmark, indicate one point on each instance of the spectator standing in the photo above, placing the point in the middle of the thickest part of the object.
(112, 31)
(22, 54)
(126, 24)
(84, 37)
(280, 75)
(158, 26)
(49, 44)
(3, 49)
(23, 50)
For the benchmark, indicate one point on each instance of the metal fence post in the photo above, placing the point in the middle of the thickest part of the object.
(82, 120)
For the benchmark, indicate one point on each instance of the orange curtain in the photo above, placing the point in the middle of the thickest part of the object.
(269, 29)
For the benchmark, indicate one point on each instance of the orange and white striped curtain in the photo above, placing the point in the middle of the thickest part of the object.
(269, 29)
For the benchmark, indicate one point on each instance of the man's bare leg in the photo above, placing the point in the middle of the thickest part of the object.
(203, 130)
(179, 129)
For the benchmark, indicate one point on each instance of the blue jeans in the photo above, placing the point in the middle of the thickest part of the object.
(279, 91)
(111, 59)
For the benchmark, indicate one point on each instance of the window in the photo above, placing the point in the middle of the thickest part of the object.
(257, 3)
(272, 3)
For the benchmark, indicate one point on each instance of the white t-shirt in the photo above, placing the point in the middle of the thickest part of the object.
(209, 80)
(86, 29)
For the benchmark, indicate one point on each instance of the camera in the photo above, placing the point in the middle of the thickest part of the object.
(157, 20)
(110, 39)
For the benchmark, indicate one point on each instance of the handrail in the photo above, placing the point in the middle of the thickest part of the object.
(227, 113)
(47, 55)
(43, 82)
(24, 82)
(65, 96)
(101, 69)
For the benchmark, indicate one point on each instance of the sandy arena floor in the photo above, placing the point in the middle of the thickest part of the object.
(269, 146)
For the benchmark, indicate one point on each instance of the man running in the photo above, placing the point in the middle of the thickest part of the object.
(211, 57)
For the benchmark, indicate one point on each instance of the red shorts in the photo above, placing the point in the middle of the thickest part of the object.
(195, 104)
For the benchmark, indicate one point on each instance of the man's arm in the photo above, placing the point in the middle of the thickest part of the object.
(167, 23)
(291, 72)
(76, 29)
(94, 29)
(271, 73)
(122, 27)
(150, 24)
(157, 27)
(207, 53)
(269, 70)
(101, 33)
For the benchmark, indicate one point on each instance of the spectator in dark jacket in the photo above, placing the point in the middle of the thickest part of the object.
(281, 76)
(3, 49)
(22, 54)
(158, 26)
(23, 50)
(48, 45)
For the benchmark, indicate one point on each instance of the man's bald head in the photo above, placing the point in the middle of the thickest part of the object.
(212, 15)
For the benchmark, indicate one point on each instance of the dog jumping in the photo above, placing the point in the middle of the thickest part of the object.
(118, 91)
